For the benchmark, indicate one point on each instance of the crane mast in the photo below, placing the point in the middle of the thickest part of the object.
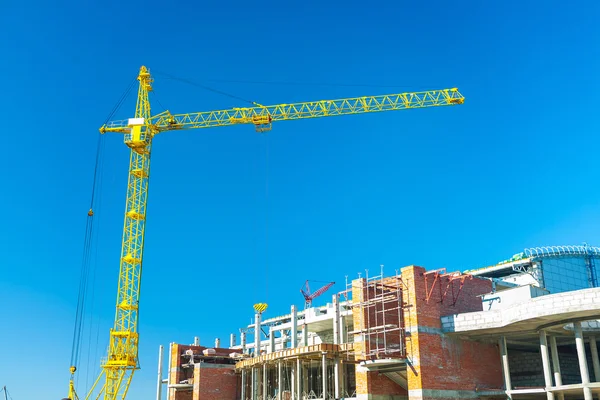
(122, 358)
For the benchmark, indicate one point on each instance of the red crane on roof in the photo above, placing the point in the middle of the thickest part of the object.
(309, 297)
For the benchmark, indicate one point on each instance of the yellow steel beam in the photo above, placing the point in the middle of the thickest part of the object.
(263, 116)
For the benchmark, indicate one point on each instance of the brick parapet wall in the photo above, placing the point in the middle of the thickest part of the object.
(439, 362)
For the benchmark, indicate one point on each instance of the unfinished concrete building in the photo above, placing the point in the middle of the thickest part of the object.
(494, 332)
(198, 372)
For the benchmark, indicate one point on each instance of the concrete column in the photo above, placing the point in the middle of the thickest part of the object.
(253, 384)
(305, 376)
(243, 389)
(336, 374)
(546, 364)
(196, 341)
(169, 371)
(279, 380)
(595, 360)
(257, 322)
(336, 319)
(264, 382)
(342, 379)
(305, 335)
(583, 367)
(556, 366)
(217, 343)
(232, 340)
(160, 368)
(293, 381)
(294, 321)
(271, 340)
(505, 366)
(243, 341)
(342, 329)
(299, 378)
(324, 366)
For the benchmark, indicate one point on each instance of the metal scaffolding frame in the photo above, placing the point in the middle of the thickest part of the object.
(381, 311)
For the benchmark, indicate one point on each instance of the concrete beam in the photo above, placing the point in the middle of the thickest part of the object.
(303, 352)
(553, 308)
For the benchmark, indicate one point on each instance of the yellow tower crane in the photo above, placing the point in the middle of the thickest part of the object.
(122, 358)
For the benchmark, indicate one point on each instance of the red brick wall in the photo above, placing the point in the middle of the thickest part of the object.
(379, 384)
(442, 362)
(215, 383)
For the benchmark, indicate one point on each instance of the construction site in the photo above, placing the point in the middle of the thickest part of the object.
(349, 201)
(525, 328)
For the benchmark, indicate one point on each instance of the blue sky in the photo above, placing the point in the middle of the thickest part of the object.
(451, 188)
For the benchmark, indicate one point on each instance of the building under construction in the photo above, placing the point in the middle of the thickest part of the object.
(524, 328)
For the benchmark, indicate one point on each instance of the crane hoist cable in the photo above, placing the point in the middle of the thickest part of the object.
(97, 207)
(233, 96)
(87, 243)
(192, 83)
(266, 299)
(6, 393)
(326, 84)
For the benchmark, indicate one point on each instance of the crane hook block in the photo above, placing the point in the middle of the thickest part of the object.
(260, 308)
(90, 213)
(73, 369)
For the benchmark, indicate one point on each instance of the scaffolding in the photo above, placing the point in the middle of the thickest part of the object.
(380, 316)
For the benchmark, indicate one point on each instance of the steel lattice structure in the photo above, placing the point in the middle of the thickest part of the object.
(560, 251)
